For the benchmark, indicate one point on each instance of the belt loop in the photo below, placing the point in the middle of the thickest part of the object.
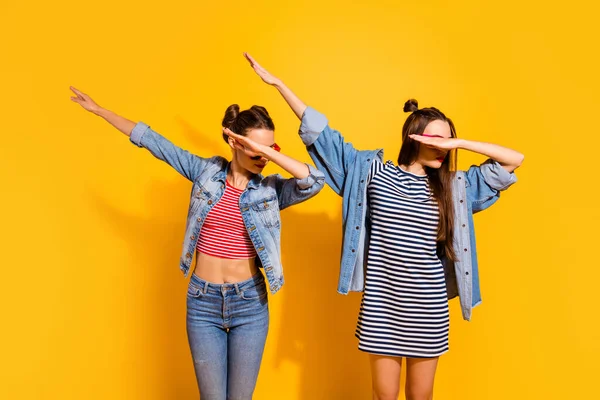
(205, 287)
(237, 288)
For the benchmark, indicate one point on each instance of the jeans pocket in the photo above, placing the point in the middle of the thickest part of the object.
(256, 292)
(193, 290)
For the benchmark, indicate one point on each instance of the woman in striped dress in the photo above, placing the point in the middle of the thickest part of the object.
(404, 310)
(403, 232)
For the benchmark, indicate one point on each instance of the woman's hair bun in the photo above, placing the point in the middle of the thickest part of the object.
(260, 110)
(411, 105)
(230, 115)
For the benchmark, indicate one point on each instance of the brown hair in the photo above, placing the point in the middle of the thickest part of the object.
(256, 117)
(440, 179)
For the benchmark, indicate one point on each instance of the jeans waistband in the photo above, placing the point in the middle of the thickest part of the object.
(236, 287)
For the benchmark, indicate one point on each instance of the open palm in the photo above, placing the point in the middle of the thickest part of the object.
(248, 146)
(260, 71)
(84, 100)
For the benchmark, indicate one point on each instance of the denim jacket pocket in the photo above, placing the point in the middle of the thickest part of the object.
(268, 212)
(199, 197)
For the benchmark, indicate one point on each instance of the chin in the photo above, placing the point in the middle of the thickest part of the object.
(435, 164)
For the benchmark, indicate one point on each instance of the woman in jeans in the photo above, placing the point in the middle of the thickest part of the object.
(233, 228)
(410, 225)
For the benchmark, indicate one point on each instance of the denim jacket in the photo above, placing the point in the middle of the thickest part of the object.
(259, 204)
(346, 170)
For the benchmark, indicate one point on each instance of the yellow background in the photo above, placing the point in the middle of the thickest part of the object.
(93, 302)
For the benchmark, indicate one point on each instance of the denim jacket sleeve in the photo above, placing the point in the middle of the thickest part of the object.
(187, 164)
(328, 149)
(485, 182)
(293, 191)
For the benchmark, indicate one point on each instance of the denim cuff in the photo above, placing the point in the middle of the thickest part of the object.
(496, 176)
(313, 123)
(137, 133)
(312, 178)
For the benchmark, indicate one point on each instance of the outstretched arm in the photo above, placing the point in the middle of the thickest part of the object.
(187, 164)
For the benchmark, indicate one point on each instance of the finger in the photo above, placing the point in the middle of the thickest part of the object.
(250, 59)
(230, 133)
(257, 67)
(418, 138)
(241, 148)
(77, 92)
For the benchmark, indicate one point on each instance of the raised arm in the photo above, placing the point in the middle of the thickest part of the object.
(487, 180)
(85, 101)
(509, 159)
(187, 164)
(293, 101)
(307, 181)
(252, 149)
(332, 155)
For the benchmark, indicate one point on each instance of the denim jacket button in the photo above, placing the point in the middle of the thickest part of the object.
(192, 237)
(188, 255)
(199, 219)
(461, 201)
(210, 202)
(466, 250)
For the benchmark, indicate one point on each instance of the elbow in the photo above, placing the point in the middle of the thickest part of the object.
(515, 163)
(519, 160)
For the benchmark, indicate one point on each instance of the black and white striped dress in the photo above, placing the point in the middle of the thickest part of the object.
(404, 309)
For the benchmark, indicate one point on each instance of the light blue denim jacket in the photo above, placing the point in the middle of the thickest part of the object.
(346, 170)
(259, 204)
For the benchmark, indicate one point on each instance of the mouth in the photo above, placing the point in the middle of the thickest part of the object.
(261, 166)
(441, 159)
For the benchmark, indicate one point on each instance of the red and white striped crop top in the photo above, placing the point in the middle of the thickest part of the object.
(224, 234)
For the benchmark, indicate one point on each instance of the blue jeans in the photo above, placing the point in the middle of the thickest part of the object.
(227, 328)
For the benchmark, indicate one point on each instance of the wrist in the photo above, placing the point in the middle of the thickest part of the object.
(462, 143)
(99, 111)
(266, 152)
(278, 84)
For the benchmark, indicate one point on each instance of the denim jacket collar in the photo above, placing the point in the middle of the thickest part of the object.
(222, 176)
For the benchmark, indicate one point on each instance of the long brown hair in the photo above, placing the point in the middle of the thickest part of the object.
(257, 117)
(440, 179)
